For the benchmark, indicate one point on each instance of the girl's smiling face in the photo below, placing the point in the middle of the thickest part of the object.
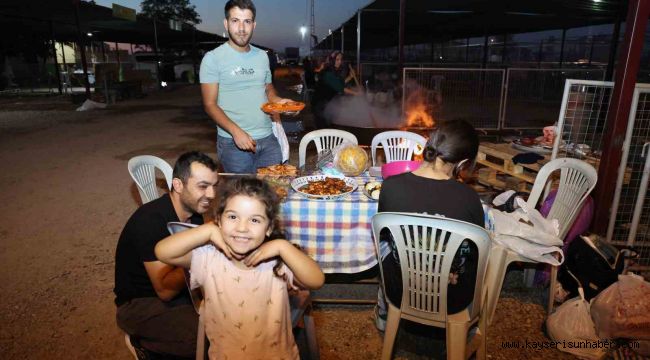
(244, 224)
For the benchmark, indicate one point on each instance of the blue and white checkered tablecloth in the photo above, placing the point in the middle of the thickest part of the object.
(336, 233)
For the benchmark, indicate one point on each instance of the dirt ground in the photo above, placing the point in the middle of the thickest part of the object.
(67, 195)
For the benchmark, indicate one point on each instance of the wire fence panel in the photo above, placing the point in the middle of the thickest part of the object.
(630, 221)
(470, 94)
(581, 126)
(533, 96)
(583, 114)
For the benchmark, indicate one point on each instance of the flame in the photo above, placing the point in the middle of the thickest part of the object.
(418, 116)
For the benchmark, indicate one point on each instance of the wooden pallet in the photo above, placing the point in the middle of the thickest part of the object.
(498, 158)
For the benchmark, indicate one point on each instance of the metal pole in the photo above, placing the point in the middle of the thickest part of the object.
(359, 42)
(56, 60)
(342, 38)
(194, 54)
(591, 49)
(562, 47)
(619, 111)
(400, 44)
(540, 53)
(485, 51)
(155, 44)
(80, 40)
(612, 51)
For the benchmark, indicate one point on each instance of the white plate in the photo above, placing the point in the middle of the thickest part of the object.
(365, 192)
(539, 149)
(298, 183)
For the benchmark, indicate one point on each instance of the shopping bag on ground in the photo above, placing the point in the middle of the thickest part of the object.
(623, 309)
(571, 324)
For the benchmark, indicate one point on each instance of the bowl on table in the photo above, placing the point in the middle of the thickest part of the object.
(399, 167)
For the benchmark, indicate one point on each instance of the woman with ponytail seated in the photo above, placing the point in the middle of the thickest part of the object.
(434, 190)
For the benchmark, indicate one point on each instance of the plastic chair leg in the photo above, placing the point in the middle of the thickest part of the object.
(200, 337)
(310, 333)
(551, 290)
(496, 270)
(392, 325)
(127, 339)
(457, 327)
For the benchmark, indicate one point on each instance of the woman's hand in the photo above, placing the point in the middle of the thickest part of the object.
(267, 250)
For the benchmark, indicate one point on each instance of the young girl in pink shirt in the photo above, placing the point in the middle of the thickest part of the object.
(245, 270)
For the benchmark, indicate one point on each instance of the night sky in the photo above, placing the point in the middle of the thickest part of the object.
(278, 21)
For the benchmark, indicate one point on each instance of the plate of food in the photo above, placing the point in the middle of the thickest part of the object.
(278, 170)
(289, 107)
(322, 187)
(372, 190)
(532, 145)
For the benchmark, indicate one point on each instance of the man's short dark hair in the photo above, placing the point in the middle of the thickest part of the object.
(242, 4)
(182, 169)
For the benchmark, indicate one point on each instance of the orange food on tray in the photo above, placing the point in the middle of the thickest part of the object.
(291, 106)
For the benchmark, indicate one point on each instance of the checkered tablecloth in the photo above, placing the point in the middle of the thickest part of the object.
(335, 233)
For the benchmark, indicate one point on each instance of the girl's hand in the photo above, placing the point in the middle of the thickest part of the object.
(217, 240)
(267, 250)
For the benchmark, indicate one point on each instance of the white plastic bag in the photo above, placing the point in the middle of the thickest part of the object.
(527, 224)
(571, 324)
(278, 131)
(91, 105)
(623, 309)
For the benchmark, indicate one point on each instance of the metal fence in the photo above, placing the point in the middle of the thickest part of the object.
(471, 94)
(630, 221)
(581, 125)
(533, 96)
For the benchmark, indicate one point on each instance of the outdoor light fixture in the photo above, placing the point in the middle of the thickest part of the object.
(163, 83)
(303, 31)
(89, 34)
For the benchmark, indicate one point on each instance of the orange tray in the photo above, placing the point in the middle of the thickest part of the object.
(291, 106)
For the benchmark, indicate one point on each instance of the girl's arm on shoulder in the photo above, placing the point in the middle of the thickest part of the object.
(177, 249)
(305, 270)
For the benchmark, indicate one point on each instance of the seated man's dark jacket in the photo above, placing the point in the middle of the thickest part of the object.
(145, 228)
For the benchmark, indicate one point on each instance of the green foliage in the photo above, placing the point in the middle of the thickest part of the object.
(171, 9)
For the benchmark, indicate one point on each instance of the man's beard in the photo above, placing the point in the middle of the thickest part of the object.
(236, 39)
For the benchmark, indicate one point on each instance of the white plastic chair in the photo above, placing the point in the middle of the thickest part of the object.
(397, 145)
(143, 171)
(577, 180)
(426, 246)
(324, 139)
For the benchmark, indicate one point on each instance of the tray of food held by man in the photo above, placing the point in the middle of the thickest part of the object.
(289, 107)
(322, 187)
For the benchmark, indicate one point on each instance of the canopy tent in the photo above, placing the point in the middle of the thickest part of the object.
(55, 19)
(441, 20)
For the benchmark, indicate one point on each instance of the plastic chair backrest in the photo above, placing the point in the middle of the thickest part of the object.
(324, 139)
(397, 144)
(143, 171)
(577, 180)
(426, 246)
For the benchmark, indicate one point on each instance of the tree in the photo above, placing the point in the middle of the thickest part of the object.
(180, 10)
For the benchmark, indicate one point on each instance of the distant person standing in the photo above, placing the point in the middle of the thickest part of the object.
(235, 83)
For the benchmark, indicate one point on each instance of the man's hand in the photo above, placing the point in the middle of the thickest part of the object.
(243, 141)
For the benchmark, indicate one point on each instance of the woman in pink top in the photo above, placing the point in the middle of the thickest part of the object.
(245, 271)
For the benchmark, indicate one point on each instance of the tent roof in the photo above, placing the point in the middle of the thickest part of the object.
(429, 21)
(34, 16)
